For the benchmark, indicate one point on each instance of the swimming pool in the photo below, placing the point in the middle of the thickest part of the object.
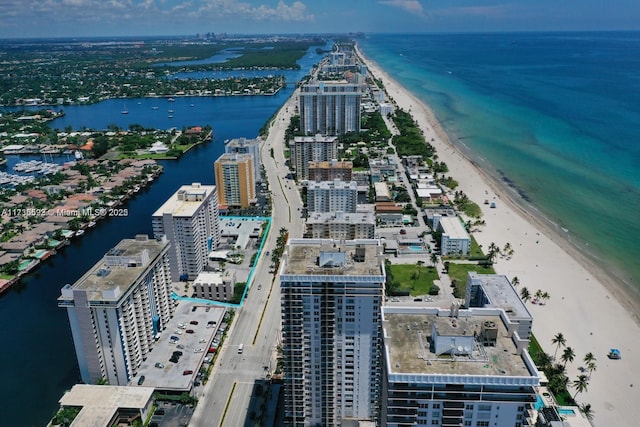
(416, 248)
(566, 411)
(539, 403)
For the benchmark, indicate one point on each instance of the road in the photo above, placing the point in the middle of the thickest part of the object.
(244, 369)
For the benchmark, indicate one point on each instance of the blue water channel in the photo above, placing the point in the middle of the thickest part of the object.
(38, 361)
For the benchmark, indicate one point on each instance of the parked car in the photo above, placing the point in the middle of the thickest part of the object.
(193, 322)
(189, 331)
(198, 350)
(141, 379)
(177, 353)
(180, 346)
(187, 372)
(159, 365)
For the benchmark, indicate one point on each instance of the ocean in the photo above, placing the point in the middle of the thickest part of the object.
(555, 115)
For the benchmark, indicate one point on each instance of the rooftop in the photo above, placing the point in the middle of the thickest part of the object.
(453, 228)
(335, 184)
(333, 257)
(99, 403)
(186, 201)
(500, 293)
(118, 269)
(411, 350)
(341, 217)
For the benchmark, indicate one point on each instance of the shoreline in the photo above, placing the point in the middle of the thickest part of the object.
(581, 304)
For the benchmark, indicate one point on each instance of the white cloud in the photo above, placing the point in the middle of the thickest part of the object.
(411, 6)
(297, 11)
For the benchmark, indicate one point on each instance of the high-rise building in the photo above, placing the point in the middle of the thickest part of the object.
(247, 146)
(316, 148)
(329, 108)
(189, 219)
(331, 296)
(235, 180)
(454, 368)
(116, 309)
(332, 196)
(328, 171)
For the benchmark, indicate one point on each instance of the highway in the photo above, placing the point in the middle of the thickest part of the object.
(234, 375)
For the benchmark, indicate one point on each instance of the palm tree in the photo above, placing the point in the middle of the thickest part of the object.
(545, 296)
(538, 295)
(434, 258)
(515, 281)
(559, 341)
(568, 355)
(591, 367)
(525, 295)
(587, 411)
(544, 361)
(580, 384)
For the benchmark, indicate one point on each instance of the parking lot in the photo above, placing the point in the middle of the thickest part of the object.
(176, 357)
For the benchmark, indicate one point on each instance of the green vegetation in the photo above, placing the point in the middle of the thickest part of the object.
(458, 275)
(183, 398)
(269, 55)
(410, 141)
(464, 204)
(238, 291)
(65, 416)
(410, 279)
(475, 250)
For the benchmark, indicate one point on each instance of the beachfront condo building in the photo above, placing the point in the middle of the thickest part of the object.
(117, 308)
(453, 367)
(235, 180)
(331, 296)
(332, 196)
(496, 291)
(341, 225)
(455, 240)
(317, 148)
(247, 146)
(329, 108)
(189, 219)
(328, 171)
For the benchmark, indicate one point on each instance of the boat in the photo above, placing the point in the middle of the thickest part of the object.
(124, 110)
(78, 155)
(170, 99)
(154, 107)
(170, 111)
(79, 233)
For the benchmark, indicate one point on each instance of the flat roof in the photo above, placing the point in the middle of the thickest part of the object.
(453, 228)
(342, 217)
(407, 342)
(302, 257)
(501, 294)
(186, 207)
(336, 184)
(105, 276)
(99, 402)
(171, 376)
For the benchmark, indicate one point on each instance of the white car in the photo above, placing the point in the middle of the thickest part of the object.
(177, 331)
(198, 350)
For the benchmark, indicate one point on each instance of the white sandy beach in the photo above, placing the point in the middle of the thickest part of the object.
(585, 305)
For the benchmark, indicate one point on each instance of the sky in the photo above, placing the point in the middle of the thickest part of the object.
(65, 18)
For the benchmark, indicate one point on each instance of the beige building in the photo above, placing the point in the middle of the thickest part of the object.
(330, 170)
(307, 149)
(106, 406)
(215, 286)
(235, 179)
(341, 225)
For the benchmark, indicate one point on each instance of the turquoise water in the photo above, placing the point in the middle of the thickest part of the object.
(416, 248)
(553, 115)
(539, 403)
(563, 411)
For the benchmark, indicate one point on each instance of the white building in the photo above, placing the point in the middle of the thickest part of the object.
(331, 297)
(306, 149)
(495, 290)
(455, 368)
(329, 108)
(215, 286)
(341, 225)
(116, 309)
(189, 219)
(332, 196)
(455, 239)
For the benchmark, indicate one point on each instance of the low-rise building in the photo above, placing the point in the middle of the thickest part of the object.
(215, 286)
(106, 406)
(455, 240)
(341, 225)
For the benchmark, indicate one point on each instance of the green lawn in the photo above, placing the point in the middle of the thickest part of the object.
(458, 274)
(475, 250)
(417, 280)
